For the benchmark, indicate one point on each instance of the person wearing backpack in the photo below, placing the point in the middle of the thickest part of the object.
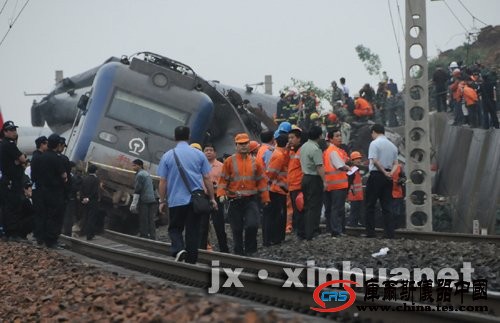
(469, 100)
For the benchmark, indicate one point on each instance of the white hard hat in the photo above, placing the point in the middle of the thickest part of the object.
(453, 65)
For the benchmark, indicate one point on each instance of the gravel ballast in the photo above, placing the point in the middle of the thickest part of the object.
(42, 285)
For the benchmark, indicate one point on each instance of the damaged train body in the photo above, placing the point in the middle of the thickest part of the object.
(128, 108)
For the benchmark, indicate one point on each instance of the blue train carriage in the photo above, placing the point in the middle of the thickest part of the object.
(131, 113)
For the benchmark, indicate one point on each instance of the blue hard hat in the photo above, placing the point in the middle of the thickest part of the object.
(285, 126)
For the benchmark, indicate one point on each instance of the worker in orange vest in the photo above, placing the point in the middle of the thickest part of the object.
(335, 159)
(241, 182)
(355, 194)
(398, 194)
(362, 108)
(274, 216)
(295, 179)
(266, 149)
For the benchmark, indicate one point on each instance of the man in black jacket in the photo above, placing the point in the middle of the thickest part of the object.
(49, 175)
(90, 200)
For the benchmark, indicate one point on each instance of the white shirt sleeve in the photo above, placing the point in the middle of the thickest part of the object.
(335, 160)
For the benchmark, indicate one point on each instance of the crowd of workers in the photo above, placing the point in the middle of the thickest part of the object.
(471, 93)
(253, 187)
(293, 171)
(384, 106)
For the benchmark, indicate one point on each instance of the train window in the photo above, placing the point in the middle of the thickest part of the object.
(146, 114)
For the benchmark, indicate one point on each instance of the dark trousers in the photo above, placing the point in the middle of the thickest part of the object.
(37, 215)
(379, 187)
(69, 216)
(220, 227)
(441, 98)
(399, 213)
(327, 203)
(297, 217)
(474, 115)
(355, 214)
(244, 216)
(183, 218)
(490, 114)
(91, 213)
(147, 213)
(12, 201)
(204, 228)
(312, 187)
(337, 210)
(459, 115)
(52, 210)
(274, 220)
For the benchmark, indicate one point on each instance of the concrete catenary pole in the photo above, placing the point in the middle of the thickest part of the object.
(417, 139)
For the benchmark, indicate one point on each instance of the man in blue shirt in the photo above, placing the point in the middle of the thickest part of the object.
(196, 169)
(383, 156)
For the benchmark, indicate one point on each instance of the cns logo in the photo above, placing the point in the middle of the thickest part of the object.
(337, 300)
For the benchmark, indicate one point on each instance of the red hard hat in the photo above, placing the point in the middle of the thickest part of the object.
(254, 145)
(299, 202)
(355, 155)
(332, 117)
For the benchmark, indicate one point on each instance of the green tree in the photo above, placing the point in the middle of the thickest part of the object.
(370, 60)
(307, 86)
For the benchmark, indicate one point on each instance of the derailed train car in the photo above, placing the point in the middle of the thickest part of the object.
(131, 111)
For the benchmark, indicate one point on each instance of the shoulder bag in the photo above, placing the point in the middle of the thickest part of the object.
(201, 204)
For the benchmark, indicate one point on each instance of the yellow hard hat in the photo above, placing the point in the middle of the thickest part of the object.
(314, 116)
(196, 145)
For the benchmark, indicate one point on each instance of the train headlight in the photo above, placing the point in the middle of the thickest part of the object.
(109, 137)
(160, 80)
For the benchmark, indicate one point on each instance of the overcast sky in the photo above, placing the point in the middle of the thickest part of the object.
(236, 42)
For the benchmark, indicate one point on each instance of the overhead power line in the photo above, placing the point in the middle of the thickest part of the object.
(13, 22)
(396, 38)
(3, 7)
(470, 13)
(454, 15)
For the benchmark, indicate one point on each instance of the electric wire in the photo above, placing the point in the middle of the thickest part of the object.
(454, 15)
(400, 19)
(3, 7)
(396, 38)
(13, 11)
(13, 22)
(470, 13)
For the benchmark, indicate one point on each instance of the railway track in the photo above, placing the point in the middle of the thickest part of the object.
(152, 257)
(421, 235)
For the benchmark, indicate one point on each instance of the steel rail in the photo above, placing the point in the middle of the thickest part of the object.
(274, 268)
(421, 235)
(269, 291)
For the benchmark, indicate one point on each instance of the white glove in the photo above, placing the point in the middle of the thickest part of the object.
(134, 204)
(222, 199)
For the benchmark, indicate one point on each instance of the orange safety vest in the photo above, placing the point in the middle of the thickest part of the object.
(260, 154)
(277, 171)
(335, 179)
(242, 177)
(356, 190)
(397, 190)
(294, 172)
(362, 108)
(470, 95)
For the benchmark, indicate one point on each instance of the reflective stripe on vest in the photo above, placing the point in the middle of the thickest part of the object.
(335, 179)
(237, 177)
